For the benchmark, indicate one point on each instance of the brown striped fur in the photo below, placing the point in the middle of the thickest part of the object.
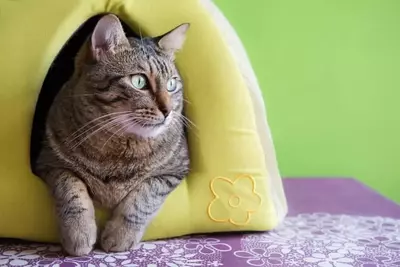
(128, 162)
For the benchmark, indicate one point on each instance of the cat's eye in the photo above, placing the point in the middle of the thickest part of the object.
(173, 85)
(139, 81)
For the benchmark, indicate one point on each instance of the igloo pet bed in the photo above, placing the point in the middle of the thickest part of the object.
(234, 184)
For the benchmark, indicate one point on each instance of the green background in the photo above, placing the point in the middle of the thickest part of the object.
(330, 75)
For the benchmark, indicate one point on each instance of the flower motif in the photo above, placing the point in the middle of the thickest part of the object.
(384, 225)
(152, 245)
(393, 245)
(347, 248)
(316, 235)
(14, 258)
(207, 246)
(389, 228)
(280, 235)
(68, 261)
(214, 264)
(379, 241)
(293, 248)
(377, 261)
(165, 257)
(351, 228)
(260, 257)
(110, 258)
(317, 226)
(330, 260)
(316, 221)
(234, 201)
(293, 262)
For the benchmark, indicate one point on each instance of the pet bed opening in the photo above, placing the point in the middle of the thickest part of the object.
(60, 72)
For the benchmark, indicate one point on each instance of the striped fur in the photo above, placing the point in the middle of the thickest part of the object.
(90, 155)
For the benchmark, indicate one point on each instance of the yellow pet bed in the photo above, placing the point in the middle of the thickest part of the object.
(234, 184)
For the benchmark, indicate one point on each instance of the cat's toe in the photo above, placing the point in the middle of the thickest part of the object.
(78, 250)
(79, 241)
(118, 237)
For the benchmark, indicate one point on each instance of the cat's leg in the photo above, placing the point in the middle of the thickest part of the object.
(75, 212)
(131, 217)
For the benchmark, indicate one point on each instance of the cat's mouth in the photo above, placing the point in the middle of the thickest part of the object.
(148, 129)
(152, 125)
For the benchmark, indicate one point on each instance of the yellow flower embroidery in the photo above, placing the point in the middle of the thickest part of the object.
(234, 201)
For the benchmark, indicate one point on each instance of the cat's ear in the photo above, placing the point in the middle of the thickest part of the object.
(173, 40)
(107, 36)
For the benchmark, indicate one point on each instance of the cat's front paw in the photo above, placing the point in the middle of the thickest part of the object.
(79, 237)
(118, 236)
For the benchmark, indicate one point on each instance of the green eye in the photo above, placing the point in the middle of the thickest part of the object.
(173, 84)
(138, 81)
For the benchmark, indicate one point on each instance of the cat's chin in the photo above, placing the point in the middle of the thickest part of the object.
(145, 132)
(150, 131)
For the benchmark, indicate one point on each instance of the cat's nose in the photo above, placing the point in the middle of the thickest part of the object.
(166, 111)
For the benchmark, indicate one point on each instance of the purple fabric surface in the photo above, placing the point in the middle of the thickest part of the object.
(336, 196)
(332, 222)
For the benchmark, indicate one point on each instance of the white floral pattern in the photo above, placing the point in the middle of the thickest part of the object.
(320, 240)
(347, 248)
(17, 258)
(188, 252)
(207, 246)
(329, 260)
(325, 240)
(260, 257)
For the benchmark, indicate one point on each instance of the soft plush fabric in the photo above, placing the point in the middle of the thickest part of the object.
(234, 184)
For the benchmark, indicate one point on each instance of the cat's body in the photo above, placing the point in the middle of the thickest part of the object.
(110, 167)
(115, 135)
(112, 172)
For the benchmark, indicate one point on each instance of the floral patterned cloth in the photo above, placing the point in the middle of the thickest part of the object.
(367, 236)
(312, 239)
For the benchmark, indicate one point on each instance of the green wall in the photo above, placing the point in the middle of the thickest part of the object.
(330, 74)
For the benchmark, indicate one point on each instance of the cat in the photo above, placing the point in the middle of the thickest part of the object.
(115, 134)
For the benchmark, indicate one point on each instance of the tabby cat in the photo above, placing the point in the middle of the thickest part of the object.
(115, 135)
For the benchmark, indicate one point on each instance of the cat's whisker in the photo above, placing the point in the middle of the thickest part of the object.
(101, 117)
(82, 95)
(71, 139)
(188, 120)
(126, 126)
(67, 140)
(178, 129)
(119, 130)
(187, 101)
(87, 136)
(113, 121)
(140, 34)
(185, 120)
(138, 121)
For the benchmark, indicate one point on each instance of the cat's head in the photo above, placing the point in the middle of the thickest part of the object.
(134, 79)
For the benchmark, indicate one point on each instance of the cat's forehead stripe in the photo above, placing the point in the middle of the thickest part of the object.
(164, 68)
(159, 67)
(140, 67)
